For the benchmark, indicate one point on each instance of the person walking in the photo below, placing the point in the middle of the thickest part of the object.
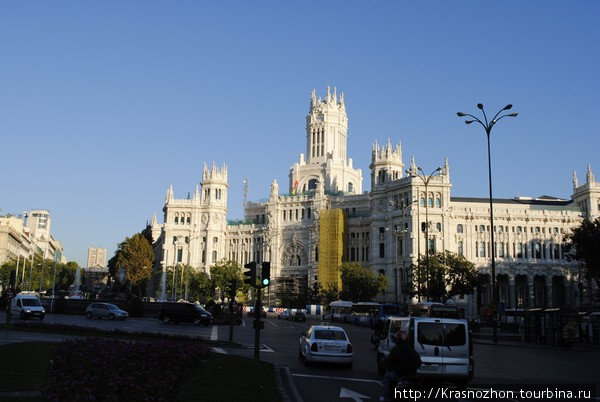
(402, 363)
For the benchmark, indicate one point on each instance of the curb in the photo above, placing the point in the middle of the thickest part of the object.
(290, 394)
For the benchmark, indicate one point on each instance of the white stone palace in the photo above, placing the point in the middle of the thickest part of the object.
(385, 227)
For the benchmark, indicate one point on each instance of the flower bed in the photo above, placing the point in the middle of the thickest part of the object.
(112, 369)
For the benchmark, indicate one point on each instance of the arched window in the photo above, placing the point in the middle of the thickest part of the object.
(438, 202)
(176, 219)
(312, 184)
(481, 228)
(438, 226)
(215, 239)
(350, 188)
(430, 201)
(189, 219)
(459, 228)
(422, 201)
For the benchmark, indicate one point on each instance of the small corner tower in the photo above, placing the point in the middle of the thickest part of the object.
(386, 164)
(587, 196)
(214, 186)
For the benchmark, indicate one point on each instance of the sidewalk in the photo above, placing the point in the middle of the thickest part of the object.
(580, 347)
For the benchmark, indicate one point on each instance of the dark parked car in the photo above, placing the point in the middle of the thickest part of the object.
(299, 316)
(184, 312)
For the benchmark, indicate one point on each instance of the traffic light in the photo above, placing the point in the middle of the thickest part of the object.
(266, 273)
(232, 288)
(250, 275)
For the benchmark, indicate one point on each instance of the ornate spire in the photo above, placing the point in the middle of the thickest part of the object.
(313, 98)
(196, 195)
(413, 166)
(328, 99)
(274, 190)
(575, 183)
(334, 95)
(446, 167)
(589, 177)
(169, 196)
(154, 220)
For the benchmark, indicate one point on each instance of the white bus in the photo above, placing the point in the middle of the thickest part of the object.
(339, 310)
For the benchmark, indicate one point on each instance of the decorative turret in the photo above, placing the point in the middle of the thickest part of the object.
(575, 183)
(587, 196)
(154, 220)
(214, 185)
(386, 163)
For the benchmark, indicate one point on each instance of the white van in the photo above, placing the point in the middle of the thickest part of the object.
(26, 306)
(444, 345)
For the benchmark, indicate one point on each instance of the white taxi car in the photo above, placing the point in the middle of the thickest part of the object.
(324, 343)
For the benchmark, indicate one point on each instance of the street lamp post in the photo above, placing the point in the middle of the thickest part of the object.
(426, 179)
(401, 234)
(488, 125)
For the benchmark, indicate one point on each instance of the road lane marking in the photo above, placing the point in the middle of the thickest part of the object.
(275, 325)
(220, 350)
(214, 334)
(338, 378)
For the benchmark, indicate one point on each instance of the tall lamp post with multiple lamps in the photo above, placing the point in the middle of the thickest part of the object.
(425, 179)
(488, 125)
(400, 234)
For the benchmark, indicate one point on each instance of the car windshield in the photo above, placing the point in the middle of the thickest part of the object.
(31, 302)
(330, 334)
(200, 309)
(112, 307)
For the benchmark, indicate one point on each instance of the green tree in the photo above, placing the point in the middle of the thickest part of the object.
(313, 294)
(449, 275)
(200, 287)
(360, 283)
(223, 272)
(584, 244)
(65, 274)
(136, 256)
(329, 294)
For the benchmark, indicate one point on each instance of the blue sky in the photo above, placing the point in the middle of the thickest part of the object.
(103, 105)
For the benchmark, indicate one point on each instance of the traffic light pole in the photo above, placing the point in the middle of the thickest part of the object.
(257, 311)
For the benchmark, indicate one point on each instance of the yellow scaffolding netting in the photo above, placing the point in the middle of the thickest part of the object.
(332, 238)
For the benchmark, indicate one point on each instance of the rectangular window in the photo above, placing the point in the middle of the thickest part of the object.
(460, 248)
(501, 250)
(381, 250)
(482, 249)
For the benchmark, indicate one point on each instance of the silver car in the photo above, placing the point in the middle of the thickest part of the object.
(105, 310)
(327, 344)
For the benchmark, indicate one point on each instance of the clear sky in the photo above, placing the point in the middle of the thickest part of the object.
(104, 104)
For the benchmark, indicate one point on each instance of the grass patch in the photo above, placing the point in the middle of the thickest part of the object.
(230, 378)
(24, 365)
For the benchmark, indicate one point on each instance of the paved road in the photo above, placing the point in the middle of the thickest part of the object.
(494, 364)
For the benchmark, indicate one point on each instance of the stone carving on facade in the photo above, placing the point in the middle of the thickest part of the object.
(204, 218)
